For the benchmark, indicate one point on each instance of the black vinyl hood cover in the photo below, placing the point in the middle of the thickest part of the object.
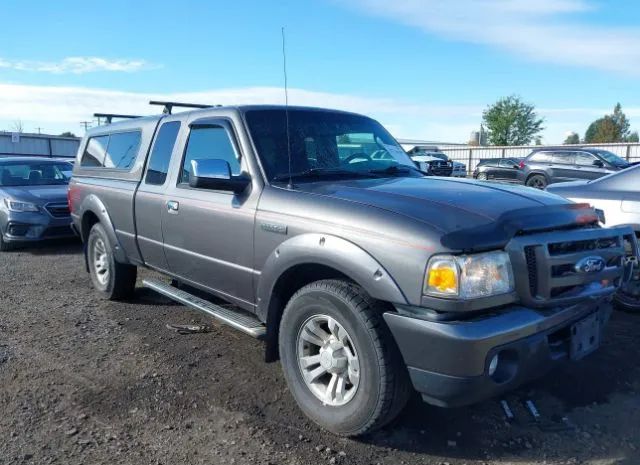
(497, 234)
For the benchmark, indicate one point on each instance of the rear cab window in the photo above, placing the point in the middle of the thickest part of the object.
(161, 153)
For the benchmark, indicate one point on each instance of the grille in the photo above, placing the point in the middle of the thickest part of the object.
(440, 168)
(550, 267)
(58, 210)
(532, 269)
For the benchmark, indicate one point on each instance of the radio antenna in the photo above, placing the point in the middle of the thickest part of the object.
(286, 106)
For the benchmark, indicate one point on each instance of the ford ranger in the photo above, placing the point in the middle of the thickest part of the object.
(366, 278)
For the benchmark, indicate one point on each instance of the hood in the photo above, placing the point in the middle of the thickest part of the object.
(40, 195)
(464, 211)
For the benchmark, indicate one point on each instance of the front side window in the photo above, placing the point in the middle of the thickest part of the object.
(122, 150)
(94, 153)
(161, 153)
(324, 142)
(34, 174)
(209, 142)
(585, 159)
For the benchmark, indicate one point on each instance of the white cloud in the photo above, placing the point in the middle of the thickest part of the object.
(541, 30)
(77, 65)
(58, 109)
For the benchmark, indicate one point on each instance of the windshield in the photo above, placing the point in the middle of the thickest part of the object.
(611, 158)
(325, 143)
(34, 173)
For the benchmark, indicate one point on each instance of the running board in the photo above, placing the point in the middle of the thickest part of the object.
(237, 319)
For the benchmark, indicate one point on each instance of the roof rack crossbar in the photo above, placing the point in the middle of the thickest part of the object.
(109, 116)
(168, 106)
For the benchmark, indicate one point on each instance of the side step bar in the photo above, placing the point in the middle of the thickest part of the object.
(237, 319)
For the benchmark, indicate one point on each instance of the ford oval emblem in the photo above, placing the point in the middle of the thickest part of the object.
(590, 265)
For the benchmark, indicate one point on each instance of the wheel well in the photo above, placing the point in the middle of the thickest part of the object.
(537, 173)
(88, 220)
(288, 284)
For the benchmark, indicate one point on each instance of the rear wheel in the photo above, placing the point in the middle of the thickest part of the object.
(537, 181)
(339, 359)
(112, 279)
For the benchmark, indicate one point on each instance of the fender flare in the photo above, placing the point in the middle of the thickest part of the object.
(94, 205)
(331, 251)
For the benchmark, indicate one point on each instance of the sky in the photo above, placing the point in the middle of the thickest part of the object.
(425, 68)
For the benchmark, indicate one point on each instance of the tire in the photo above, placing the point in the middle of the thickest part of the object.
(4, 246)
(375, 387)
(628, 299)
(537, 181)
(115, 281)
(482, 176)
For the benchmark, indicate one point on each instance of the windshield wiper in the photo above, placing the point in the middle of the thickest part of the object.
(318, 173)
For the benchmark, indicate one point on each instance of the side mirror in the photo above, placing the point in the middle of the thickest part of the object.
(598, 163)
(215, 174)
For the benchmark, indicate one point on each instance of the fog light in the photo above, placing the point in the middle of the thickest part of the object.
(493, 365)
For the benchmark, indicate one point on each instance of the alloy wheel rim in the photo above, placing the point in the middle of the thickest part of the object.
(100, 261)
(328, 360)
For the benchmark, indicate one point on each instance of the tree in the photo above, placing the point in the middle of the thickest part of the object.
(510, 121)
(17, 126)
(67, 134)
(633, 137)
(572, 138)
(609, 128)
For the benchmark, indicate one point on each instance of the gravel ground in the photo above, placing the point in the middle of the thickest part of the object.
(86, 381)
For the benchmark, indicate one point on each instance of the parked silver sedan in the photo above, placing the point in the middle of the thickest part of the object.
(33, 200)
(617, 197)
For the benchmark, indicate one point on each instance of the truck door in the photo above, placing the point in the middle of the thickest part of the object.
(150, 201)
(208, 234)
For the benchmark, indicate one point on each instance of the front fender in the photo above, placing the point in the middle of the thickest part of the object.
(93, 204)
(331, 251)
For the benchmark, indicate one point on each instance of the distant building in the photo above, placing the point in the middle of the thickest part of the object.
(478, 138)
(38, 145)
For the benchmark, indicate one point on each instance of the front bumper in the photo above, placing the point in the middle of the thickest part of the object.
(448, 361)
(24, 227)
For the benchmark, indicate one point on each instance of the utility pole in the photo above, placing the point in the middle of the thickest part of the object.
(85, 124)
(39, 130)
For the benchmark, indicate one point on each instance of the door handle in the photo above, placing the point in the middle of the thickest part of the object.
(173, 206)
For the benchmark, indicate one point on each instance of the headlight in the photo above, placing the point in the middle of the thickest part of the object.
(16, 206)
(469, 276)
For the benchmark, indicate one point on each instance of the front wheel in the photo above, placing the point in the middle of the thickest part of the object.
(112, 279)
(482, 176)
(628, 297)
(340, 361)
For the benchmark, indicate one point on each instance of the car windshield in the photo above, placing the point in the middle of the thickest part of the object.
(325, 144)
(612, 158)
(34, 173)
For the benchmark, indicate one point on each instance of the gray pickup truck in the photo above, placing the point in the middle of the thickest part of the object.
(364, 276)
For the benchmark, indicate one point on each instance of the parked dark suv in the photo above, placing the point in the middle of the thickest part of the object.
(499, 169)
(550, 165)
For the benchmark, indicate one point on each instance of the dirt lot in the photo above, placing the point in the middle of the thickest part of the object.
(84, 381)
